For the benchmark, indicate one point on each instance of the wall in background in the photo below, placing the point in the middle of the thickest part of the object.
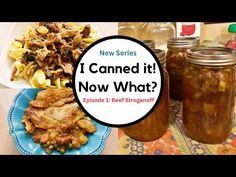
(214, 31)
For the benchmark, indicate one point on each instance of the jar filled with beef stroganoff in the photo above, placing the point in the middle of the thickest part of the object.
(209, 94)
(156, 124)
(149, 43)
(176, 61)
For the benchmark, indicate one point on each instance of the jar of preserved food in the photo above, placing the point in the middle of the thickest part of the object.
(208, 94)
(160, 32)
(131, 29)
(176, 61)
(156, 124)
(149, 43)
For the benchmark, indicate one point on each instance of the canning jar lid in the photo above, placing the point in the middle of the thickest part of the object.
(160, 55)
(183, 42)
(149, 43)
(211, 56)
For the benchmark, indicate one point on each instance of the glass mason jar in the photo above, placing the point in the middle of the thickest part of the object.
(208, 94)
(160, 32)
(131, 29)
(156, 124)
(176, 61)
(149, 43)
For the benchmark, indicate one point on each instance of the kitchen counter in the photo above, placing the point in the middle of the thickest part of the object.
(174, 141)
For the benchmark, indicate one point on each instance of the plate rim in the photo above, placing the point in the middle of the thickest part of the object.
(97, 151)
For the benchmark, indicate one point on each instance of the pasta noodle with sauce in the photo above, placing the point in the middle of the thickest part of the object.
(46, 53)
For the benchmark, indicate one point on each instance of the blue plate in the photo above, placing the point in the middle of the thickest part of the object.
(26, 145)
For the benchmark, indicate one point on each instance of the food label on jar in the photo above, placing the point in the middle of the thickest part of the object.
(118, 81)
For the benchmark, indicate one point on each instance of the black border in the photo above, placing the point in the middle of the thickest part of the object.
(161, 164)
(127, 38)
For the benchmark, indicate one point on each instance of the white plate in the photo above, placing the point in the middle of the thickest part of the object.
(10, 31)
